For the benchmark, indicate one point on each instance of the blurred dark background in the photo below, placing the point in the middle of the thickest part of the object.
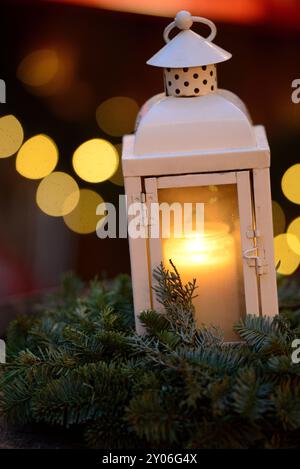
(105, 53)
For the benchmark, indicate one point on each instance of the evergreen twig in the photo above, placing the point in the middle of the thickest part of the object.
(79, 363)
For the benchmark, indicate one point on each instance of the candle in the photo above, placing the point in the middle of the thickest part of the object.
(211, 259)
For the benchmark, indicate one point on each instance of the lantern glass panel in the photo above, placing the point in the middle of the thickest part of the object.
(212, 255)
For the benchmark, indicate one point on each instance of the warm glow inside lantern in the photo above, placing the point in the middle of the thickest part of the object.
(195, 145)
(212, 256)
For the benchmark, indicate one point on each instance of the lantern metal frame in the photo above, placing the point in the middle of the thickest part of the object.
(248, 168)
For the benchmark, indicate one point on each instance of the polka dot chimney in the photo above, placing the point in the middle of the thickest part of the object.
(189, 60)
(190, 81)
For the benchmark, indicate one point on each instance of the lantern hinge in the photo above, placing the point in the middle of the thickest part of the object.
(144, 215)
(140, 199)
(150, 199)
(253, 234)
(255, 255)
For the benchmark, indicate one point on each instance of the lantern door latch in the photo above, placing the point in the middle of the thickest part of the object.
(253, 254)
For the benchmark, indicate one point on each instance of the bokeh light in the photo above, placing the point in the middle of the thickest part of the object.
(57, 194)
(117, 178)
(38, 68)
(290, 183)
(116, 116)
(294, 240)
(289, 260)
(37, 157)
(11, 136)
(95, 160)
(50, 73)
(83, 218)
(279, 220)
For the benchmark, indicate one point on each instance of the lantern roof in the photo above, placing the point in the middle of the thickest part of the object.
(188, 49)
(218, 121)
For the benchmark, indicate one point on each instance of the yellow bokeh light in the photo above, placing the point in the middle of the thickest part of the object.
(83, 218)
(95, 160)
(289, 260)
(294, 239)
(11, 136)
(57, 194)
(37, 157)
(116, 116)
(279, 220)
(38, 68)
(290, 183)
(117, 178)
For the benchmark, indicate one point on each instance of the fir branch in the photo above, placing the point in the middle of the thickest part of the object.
(78, 363)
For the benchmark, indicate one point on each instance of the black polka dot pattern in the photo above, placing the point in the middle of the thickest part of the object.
(190, 81)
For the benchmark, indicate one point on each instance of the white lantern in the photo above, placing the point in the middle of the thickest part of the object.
(196, 143)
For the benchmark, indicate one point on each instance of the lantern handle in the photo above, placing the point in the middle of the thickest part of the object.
(184, 20)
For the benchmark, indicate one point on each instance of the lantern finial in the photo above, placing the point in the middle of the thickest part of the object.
(184, 20)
